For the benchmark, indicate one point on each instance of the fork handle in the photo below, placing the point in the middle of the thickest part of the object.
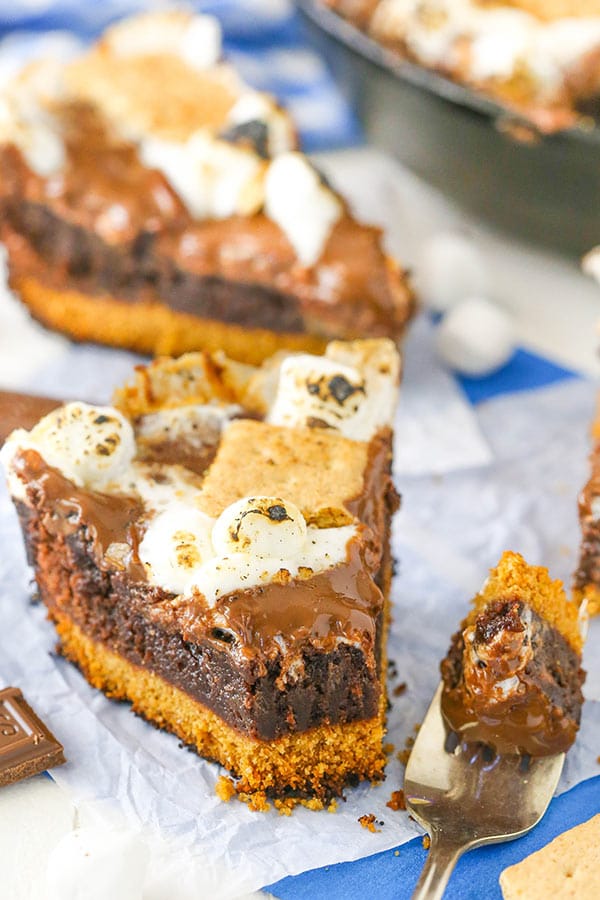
(441, 859)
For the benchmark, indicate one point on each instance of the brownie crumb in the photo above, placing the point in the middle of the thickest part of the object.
(397, 801)
(399, 689)
(369, 822)
(426, 841)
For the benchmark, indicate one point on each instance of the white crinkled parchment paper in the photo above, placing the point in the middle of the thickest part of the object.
(503, 476)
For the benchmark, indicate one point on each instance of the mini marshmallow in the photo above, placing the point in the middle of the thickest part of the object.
(176, 543)
(260, 526)
(449, 270)
(301, 204)
(591, 263)
(320, 392)
(91, 445)
(475, 337)
(97, 863)
(214, 179)
(322, 549)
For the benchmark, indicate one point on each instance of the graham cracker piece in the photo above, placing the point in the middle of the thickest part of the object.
(567, 867)
(315, 469)
(513, 577)
(156, 94)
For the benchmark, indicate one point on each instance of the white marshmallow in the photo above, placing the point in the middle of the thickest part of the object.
(591, 263)
(201, 42)
(91, 445)
(196, 424)
(303, 207)
(475, 337)
(323, 549)
(95, 864)
(317, 391)
(176, 544)
(260, 526)
(450, 268)
(214, 179)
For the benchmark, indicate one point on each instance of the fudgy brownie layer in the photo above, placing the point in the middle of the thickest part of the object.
(133, 271)
(543, 716)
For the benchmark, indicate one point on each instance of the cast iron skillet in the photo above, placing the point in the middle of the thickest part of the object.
(545, 189)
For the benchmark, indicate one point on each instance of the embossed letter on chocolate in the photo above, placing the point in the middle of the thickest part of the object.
(27, 747)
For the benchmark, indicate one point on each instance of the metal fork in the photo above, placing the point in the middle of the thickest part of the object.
(465, 797)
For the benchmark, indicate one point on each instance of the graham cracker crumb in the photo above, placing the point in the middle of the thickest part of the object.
(225, 789)
(426, 841)
(397, 801)
(399, 689)
(369, 822)
(396, 853)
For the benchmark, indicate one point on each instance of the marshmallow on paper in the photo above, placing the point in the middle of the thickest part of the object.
(95, 863)
(475, 337)
(450, 268)
(591, 263)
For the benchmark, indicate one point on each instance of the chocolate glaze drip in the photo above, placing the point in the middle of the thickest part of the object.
(538, 708)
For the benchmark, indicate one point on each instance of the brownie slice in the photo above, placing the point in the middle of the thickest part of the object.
(512, 677)
(236, 594)
(151, 200)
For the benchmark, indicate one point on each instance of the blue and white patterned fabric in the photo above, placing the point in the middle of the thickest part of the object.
(263, 38)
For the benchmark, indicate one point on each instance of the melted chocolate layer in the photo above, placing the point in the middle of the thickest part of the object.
(514, 682)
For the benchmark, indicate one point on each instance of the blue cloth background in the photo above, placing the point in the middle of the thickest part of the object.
(265, 40)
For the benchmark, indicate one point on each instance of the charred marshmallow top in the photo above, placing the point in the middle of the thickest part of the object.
(317, 391)
(91, 445)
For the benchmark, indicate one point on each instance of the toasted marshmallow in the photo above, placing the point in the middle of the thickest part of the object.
(91, 445)
(260, 526)
(323, 549)
(253, 106)
(301, 204)
(196, 39)
(197, 424)
(317, 392)
(213, 178)
(176, 544)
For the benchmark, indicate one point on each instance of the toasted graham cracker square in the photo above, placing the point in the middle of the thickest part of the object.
(317, 470)
(569, 866)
